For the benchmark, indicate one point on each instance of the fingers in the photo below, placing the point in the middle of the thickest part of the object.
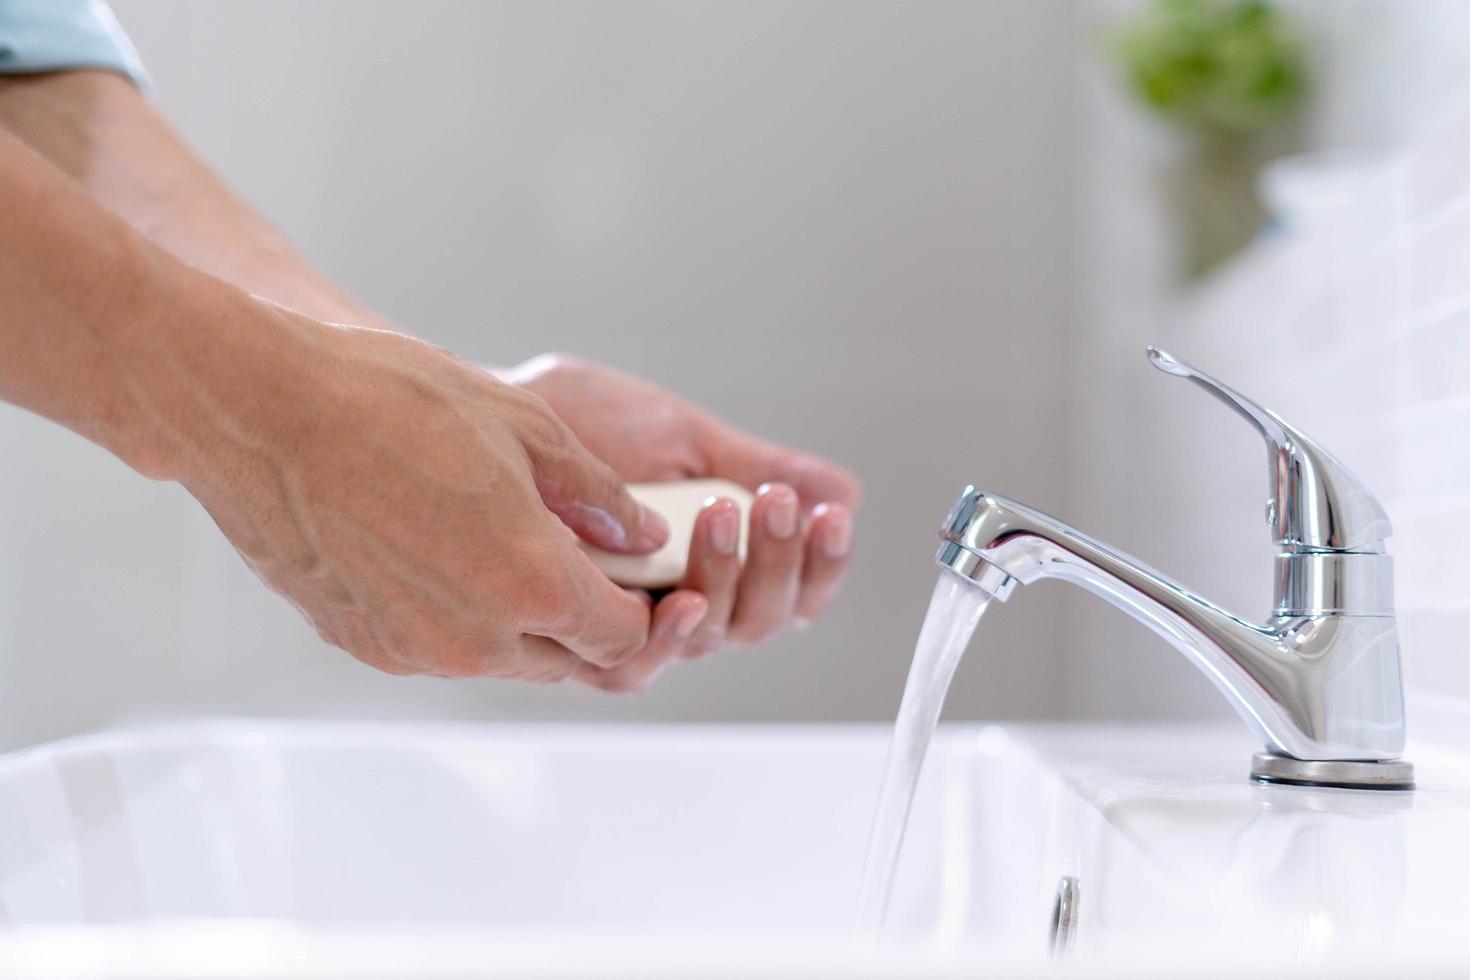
(828, 549)
(535, 660)
(583, 611)
(584, 492)
(751, 462)
(770, 581)
(674, 622)
(714, 571)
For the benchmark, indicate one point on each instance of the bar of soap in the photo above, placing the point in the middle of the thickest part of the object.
(679, 501)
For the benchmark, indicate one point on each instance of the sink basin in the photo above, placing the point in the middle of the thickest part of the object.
(288, 848)
(735, 835)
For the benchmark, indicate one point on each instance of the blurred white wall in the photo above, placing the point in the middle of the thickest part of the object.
(842, 224)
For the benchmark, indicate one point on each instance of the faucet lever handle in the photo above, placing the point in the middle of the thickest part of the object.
(1316, 503)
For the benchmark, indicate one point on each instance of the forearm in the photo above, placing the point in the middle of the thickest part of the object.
(106, 334)
(98, 129)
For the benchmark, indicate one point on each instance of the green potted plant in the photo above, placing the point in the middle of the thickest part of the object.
(1230, 76)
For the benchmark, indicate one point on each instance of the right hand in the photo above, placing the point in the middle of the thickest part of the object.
(418, 512)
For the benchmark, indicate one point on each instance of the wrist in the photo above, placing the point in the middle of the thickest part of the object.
(209, 374)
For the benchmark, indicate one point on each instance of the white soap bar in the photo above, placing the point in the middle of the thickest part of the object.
(679, 501)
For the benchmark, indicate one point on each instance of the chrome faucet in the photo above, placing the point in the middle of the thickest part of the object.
(1320, 681)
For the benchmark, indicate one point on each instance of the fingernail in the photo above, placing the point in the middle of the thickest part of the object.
(724, 530)
(653, 530)
(780, 511)
(690, 621)
(837, 535)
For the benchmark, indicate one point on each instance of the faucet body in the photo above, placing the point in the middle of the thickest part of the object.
(1314, 685)
(1320, 680)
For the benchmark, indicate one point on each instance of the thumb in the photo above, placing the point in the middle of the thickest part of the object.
(590, 498)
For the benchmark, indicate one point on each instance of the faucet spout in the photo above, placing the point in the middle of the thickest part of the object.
(1319, 683)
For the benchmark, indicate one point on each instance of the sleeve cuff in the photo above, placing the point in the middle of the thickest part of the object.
(57, 35)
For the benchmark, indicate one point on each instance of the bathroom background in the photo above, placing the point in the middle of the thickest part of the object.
(925, 239)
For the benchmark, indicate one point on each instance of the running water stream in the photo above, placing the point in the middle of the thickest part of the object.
(954, 612)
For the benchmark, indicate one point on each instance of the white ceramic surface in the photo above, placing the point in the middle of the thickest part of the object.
(276, 849)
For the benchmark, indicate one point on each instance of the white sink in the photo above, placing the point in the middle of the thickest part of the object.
(273, 849)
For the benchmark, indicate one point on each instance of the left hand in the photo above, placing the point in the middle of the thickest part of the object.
(800, 535)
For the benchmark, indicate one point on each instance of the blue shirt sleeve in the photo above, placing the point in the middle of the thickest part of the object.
(54, 35)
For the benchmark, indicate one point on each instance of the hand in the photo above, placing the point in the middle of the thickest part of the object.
(800, 533)
(417, 511)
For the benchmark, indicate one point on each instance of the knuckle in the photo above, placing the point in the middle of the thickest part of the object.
(543, 592)
(530, 659)
(621, 653)
(537, 661)
(543, 431)
(622, 683)
(600, 650)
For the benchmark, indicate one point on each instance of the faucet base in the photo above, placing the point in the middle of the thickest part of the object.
(1395, 774)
